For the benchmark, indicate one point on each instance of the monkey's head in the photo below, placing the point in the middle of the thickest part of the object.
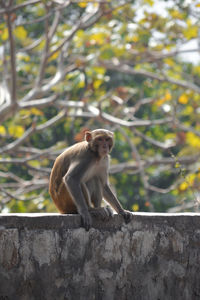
(100, 141)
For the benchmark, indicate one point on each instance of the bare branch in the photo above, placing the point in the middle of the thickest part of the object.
(32, 46)
(43, 63)
(153, 56)
(136, 123)
(68, 38)
(52, 121)
(10, 9)
(96, 112)
(12, 58)
(183, 207)
(12, 146)
(84, 23)
(186, 128)
(57, 78)
(39, 103)
(163, 146)
(11, 176)
(138, 159)
(154, 161)
(41, 19)
(124, 68)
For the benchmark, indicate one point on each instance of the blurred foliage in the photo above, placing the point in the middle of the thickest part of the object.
(146, 35)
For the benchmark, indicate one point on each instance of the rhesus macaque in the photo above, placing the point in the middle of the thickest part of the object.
(79, 178)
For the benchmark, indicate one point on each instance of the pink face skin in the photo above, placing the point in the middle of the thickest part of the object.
(100, 141)
(103, 146)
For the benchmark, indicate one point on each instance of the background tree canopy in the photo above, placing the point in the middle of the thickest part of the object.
(68, 66)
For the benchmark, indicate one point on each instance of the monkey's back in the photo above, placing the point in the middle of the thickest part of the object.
(57, 189)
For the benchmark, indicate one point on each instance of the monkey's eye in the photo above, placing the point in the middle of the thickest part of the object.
(107, 139)
(100, 139)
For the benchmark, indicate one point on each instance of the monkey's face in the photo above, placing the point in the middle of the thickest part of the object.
(103, 145)
(101, 141)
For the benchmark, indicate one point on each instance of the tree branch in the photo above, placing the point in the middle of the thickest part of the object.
(126, 69)
(11, 9)
(39, 103)
(12, 58)
(12, 146)
(133, 166)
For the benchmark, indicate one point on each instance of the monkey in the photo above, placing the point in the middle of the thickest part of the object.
(79, 179)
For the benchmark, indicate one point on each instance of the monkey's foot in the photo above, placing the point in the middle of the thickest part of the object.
(101, 212)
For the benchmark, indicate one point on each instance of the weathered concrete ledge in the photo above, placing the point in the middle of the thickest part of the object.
(49, 256)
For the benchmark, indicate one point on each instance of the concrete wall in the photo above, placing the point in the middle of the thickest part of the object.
(155, 256)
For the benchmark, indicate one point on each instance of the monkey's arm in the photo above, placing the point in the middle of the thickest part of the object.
(113, 201)
(72, 180)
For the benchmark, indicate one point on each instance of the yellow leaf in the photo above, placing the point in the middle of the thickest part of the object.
(81, 84)
(34, 163)
(97, 83)
(82, 4)
(20, 33)
(191, 32)
(188, 110)
(135, 207)
(99, 38)
(198, 5)
(169, 61)
(176, 14)
(16, 131)
(135, 38)
(183, 99)
(80, 33)
(2, 130)
(168, 96)
(190, 179)
(193, 140)
(4, 35)
(150, 2)
(183, 186)
(27, 68)
(54, 56)
(36, 112)
(99, 70)
(197, 69)
(40, 46)
(23, 56)
(160, 102)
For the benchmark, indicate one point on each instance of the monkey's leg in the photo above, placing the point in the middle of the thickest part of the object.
(73, 184)
(101, 212)
(95, 191)
(86, 194)
(113, 201)
(63, 201)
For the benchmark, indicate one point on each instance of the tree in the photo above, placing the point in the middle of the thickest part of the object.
(69, 65)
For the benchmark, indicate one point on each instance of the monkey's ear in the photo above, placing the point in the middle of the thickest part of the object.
(88, 136)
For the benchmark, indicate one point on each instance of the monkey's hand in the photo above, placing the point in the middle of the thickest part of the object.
(86, 220)
(126, 215)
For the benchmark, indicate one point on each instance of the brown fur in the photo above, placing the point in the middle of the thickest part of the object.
(57, 187)
(79, 179)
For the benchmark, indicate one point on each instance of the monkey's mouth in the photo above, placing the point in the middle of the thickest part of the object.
(104, 151)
